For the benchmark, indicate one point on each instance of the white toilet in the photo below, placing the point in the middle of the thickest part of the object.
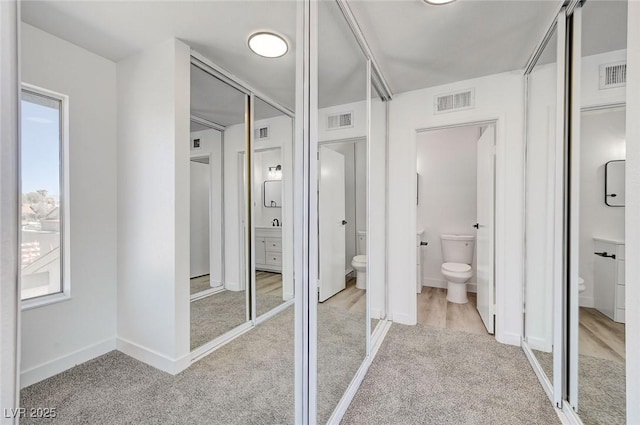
(457, 253)
(581, 286)
(359, 262)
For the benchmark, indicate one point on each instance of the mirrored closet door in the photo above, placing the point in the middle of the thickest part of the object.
(543, 185)
(597, 359)
(342, 183)
(219, 295)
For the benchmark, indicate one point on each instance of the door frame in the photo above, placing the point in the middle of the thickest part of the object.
(496, 123)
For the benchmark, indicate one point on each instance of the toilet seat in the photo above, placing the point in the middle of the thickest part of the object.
(456, 267)
(456, 272)
(359, 260)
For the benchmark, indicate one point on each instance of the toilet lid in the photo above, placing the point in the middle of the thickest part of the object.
(360, 258)
(456, 267)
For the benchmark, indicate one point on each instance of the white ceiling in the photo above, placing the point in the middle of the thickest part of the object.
(416, 45)
(419, 45)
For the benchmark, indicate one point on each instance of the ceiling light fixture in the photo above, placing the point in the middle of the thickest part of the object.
(438, 2)
(268, 44)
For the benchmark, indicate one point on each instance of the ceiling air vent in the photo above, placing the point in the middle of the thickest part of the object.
(456, 101)
(613, 75)
(262, 133)
(342, 120)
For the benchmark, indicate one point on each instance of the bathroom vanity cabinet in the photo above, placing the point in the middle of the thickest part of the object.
(609, 278)
(269, 249)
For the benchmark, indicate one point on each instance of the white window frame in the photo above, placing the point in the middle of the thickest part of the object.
(65, 233)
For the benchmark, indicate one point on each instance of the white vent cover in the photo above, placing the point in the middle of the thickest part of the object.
(613, 75)
(341, 120)
(455, 101)
(262, 133)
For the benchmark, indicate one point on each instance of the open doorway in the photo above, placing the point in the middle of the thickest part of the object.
(455, 227)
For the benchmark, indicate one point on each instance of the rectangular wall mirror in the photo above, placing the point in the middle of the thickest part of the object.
(614, 183)
(272, 193)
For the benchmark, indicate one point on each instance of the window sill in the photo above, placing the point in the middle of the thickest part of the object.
(44, 300)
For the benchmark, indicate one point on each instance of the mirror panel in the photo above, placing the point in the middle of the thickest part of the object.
(342, 207)
(540, 206)
(599, 279)
(218, 287)
(272, 207)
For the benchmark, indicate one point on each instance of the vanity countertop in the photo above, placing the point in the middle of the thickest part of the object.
(607, 240)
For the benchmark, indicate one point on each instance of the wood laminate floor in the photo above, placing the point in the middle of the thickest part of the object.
(269, 283)
(350, 299)
(600, 336)
(435, 310)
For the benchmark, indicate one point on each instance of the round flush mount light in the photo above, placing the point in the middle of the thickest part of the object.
(268, 44)
(438, 2)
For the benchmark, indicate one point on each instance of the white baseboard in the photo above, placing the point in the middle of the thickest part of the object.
(153, 358)
(348, 271)
(56, 366)
(539, 344)
(403, 319)
(586, 302)
(436, 283)
(508, 338)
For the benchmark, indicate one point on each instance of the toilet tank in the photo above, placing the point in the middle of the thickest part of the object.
(457, 248)
(362, 242)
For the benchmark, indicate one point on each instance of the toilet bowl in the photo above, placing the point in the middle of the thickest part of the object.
(359, 264)
(457, 253)
(581, 285)
(457, 275)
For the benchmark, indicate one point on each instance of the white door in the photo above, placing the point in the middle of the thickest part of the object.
(484, 233)
(331, 223)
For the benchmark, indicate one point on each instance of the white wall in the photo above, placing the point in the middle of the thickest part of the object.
(153, 205)
(497, 97)
(589, 80)
(602, 140)
(632, 240)
(211, 146)
(447, 163)
(59, 336)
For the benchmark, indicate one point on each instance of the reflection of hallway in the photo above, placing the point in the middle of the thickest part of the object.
(434, 310)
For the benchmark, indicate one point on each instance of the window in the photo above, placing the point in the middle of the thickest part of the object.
(43, 242)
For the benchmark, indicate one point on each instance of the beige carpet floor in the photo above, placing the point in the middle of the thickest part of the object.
(219, 313)
(601, 389)
(427, 375)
